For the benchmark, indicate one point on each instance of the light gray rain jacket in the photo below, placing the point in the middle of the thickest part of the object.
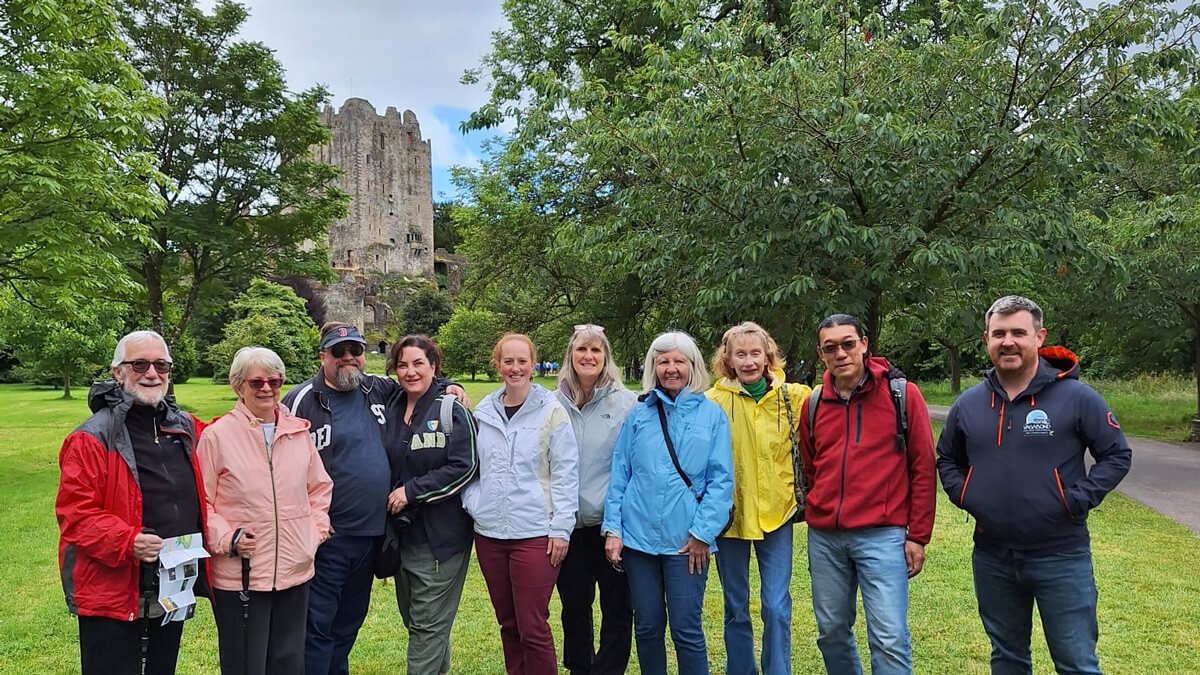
(596, 427)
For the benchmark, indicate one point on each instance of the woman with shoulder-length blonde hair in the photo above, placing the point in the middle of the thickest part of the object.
(668, 499)
(590, 388)
(523, 504)
(763, 411)
(268, 501)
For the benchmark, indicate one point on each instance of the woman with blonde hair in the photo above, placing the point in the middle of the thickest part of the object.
(590, 389)
(523, 504)
(668, 499)
(268, 508)
(763, 410)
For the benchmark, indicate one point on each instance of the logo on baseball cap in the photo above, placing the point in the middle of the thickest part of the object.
(342, 334)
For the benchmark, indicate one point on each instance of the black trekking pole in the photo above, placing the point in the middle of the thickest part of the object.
(147, 589)
(244, 596)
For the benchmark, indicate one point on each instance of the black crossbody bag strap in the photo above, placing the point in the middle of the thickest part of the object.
(662, 419)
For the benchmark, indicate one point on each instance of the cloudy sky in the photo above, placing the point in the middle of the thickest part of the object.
(404, 53)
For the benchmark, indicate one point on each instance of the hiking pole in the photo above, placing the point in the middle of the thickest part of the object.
(147, 587)
(244, 596)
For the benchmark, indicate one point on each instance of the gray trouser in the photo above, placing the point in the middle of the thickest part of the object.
(428, 593)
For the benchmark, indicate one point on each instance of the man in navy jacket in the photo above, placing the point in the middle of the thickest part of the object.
(1012, 455)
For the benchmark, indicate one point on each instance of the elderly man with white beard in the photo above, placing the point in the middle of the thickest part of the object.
(128, 481)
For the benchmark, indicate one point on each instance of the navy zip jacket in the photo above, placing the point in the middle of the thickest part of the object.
(1018, 466)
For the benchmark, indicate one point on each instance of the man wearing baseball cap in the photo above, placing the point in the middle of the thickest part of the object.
(345, 407)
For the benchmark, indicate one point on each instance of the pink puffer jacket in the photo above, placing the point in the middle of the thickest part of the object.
(284, 501)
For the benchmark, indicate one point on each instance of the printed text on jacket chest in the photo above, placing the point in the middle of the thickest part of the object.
(1037, 423)
(428, 439)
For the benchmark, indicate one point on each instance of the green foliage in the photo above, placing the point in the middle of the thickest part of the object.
(425, 312)
(245, 192)
(186, 358)
(445, 234)
(272, 316)
(63, 343)
(467, 340)
(74, 180)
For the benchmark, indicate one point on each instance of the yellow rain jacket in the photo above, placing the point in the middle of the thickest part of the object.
(764, 495)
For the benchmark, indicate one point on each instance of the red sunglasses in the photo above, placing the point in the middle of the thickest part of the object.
(257, 383)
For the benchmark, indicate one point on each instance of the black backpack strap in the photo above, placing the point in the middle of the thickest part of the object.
(899, 389)
(662, 419)
(813, 399)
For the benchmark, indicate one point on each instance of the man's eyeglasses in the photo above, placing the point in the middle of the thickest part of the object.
(257, 383)
(339, 350)
(847, 346)
(161, 366)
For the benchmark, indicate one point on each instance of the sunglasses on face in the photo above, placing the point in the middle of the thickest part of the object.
(161, 366)
(339, 350)
(847, 346)
(257, 383)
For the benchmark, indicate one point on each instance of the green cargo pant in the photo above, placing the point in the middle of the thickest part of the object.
(428, 593)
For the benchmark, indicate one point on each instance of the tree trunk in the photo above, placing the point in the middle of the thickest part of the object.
(152, 270)
(875, 319)
(955, 353)
(66, 384)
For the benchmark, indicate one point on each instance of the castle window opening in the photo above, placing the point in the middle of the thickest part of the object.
(382, 145)
(393, 240)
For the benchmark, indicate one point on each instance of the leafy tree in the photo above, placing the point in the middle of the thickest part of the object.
(64, 342)
(445, 234)
(245, 193)
(467, 340)
(272, 316)
(73, 178)
(425, 312)
(784, 160)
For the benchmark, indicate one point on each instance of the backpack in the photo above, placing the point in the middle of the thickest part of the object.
(899, 388)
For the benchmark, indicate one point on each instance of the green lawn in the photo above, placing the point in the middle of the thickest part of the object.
(1150, 406)
(1144, 566)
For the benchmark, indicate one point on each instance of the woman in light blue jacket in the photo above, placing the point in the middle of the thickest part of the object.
(523, 504)
(663, 513)
(590, 389)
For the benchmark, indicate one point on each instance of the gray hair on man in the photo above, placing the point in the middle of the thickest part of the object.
(137, 336)
(1011, 304)
(249, 357)
(670, 341)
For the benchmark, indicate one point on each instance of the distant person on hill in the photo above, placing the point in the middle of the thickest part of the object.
(1012, 455)
(345, 407)
(129, 479)
(872, 487)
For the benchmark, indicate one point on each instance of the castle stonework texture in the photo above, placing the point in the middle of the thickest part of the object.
(387, 237)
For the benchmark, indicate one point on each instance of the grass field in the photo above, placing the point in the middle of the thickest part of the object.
(1150, 406)
(1144, 565)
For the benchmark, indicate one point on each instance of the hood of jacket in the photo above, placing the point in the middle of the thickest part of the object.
(1054, 364)
(774, 379)
(877, 369)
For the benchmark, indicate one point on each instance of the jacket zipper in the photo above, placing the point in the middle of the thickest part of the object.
(275, 508)
(837, 520)
(1062, 493)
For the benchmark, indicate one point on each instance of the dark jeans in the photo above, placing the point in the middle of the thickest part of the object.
(275, 631)
(584, 568)
(665, 592)
(1065, 591)
(111, 647)
(338, 597)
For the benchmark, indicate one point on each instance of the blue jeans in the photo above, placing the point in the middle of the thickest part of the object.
(338, 599)
(774, 552)
(842, 561)
(1065, 590)
(663, 589)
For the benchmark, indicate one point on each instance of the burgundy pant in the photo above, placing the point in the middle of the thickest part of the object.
(520, 579)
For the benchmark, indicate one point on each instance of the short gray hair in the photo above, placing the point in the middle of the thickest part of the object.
(1011, 304)
(137, 336)
(697, 370)
(248, 357)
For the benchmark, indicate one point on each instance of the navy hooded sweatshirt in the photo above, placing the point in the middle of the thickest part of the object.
(1018, 466)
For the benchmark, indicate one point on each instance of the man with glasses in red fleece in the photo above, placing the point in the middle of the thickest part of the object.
(128, 481)
(345, 407)
(871, 497)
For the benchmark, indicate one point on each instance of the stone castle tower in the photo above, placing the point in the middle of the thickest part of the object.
(387, 237)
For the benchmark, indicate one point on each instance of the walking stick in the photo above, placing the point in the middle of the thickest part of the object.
(244, 596)
(147, 587)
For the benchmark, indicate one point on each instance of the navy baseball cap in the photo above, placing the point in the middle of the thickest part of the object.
(342, 334)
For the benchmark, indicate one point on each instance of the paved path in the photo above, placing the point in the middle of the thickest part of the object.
(1164, 476)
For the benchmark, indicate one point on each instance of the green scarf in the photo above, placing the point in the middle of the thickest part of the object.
(757, 390)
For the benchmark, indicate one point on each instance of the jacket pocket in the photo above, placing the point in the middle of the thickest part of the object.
(962, 494)
(1062, 494)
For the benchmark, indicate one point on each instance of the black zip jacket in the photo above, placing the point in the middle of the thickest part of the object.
(434, 468)
(1018, 466)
